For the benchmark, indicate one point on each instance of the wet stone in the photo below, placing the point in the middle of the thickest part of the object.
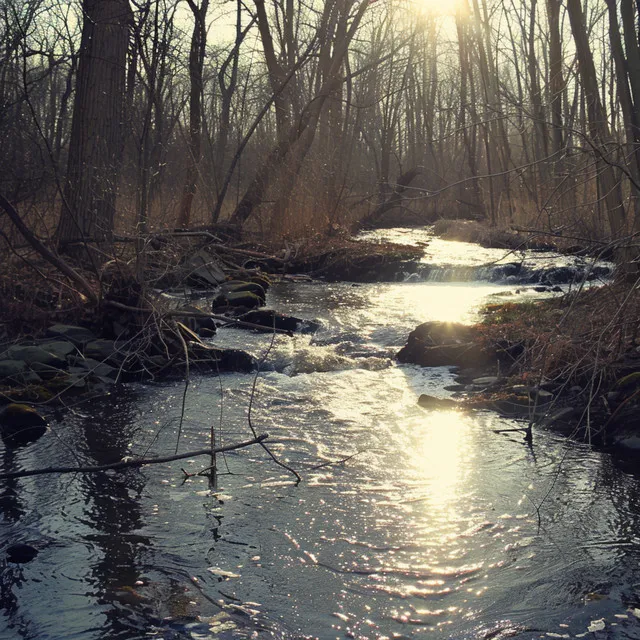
(486, 381)
(432, 402)
(12, 368)
(21, 424)
(20, 553)
(59, 348)
(71, 333)
(45, 371)
(31, 354)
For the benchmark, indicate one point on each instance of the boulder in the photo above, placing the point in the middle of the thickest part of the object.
(221, 360)
(273, 319)
(45, 371)
(485, 381)
(204, 327)
(240, 286)
(245, 299)
(237, 360)
(59, 348)
(77, 335)
(31, 354)
(20, 553)
(431, 402)
(446, 344)
(12, 369)
(21, 424)
(95, 367)
(103, 350)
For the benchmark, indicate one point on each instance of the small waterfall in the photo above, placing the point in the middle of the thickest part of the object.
(514, 273)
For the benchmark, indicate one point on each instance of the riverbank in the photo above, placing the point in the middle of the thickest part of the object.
(571, 363)
(55, 343)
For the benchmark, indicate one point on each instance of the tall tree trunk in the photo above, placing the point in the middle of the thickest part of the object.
(608, 181)
(95, 149)
(196, 67)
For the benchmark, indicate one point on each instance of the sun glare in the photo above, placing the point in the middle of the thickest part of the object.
(439, 7)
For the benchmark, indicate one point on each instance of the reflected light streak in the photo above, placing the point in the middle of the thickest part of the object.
(443, 456)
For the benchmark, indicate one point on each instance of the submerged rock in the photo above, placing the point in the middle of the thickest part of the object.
(20, 553)
(12, 369)
(21, 424)
(432, 402)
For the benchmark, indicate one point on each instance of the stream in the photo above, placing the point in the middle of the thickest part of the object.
(435, 525)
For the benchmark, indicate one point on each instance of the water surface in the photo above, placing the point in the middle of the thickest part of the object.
(433, 524)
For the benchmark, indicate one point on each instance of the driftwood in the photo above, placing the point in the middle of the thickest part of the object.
(128, 464)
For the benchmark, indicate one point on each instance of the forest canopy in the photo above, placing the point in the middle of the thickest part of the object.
(289, 118)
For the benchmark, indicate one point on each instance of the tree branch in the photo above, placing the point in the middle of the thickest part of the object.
(128, 464)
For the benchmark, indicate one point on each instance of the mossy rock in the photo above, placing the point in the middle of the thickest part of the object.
(245, 299)
(241, 286)
(21, 424)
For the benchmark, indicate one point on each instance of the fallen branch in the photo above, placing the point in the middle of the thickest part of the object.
(45, 252)
(128, 464)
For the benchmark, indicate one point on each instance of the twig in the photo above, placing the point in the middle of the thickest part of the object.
(128, 464)
(253, 431)
(332, 462)
(186, 384)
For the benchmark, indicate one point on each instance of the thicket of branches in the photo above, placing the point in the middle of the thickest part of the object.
(291, 117)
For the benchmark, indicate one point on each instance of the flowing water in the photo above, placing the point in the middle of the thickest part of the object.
(408, 523)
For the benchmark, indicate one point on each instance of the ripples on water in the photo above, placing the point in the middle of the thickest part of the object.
(435, 525)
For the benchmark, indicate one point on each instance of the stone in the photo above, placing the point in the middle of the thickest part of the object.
(59, 348)
(205, 327)
(20, 553)
(432, 402)
(95, 367)
(21, 424)
(448, 344)
(77, 335)
(102, 350)
(31, 354)
(486, 381)
(272, 319)
(237, 360)
(542, 396)
(562, 416)
(238, 299)
(240, 287)
(12, 369)
(45, 371)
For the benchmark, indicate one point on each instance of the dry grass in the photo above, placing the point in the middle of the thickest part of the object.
(593, 335)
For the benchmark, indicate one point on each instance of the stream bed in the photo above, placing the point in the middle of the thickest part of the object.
(433, 525)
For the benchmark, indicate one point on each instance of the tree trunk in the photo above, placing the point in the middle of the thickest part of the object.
(196, 67)
(95, 149)
(608, 181)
